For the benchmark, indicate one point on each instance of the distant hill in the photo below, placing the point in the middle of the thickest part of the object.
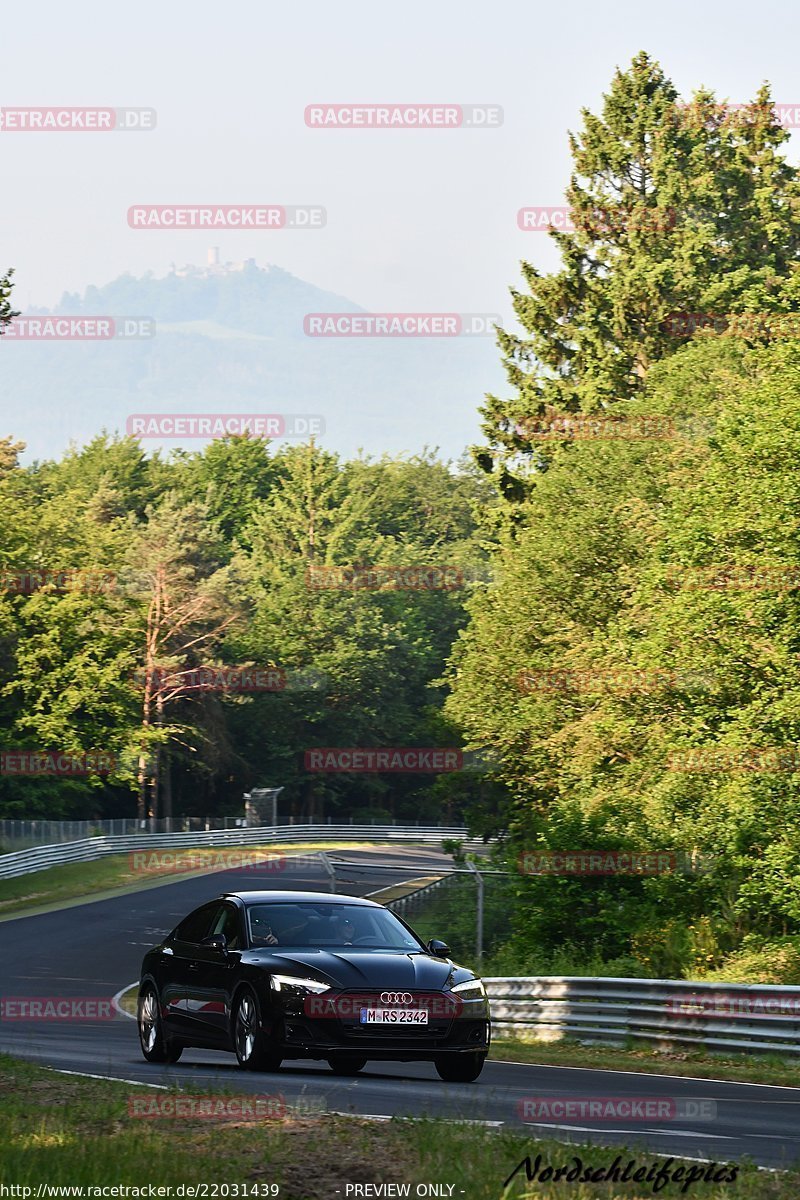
(230, 339)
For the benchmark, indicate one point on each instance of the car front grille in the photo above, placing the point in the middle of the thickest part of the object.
(411, 1033)
(438, 1025)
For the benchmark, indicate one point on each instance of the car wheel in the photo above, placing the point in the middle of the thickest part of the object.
(253, 1051)
(343, 1065)
(459, 1068)
(156, 1046)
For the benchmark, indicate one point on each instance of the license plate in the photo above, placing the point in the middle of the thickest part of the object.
(394, 1016)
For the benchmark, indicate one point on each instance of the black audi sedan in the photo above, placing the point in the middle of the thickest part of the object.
(285, 975)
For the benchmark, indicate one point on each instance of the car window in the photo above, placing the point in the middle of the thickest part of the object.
(228, 923)
(195, 927)
(321, 924)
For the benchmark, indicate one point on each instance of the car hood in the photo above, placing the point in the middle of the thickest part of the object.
(360, 968)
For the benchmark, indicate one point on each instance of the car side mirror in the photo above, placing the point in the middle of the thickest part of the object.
(217, 941)
(441, 949)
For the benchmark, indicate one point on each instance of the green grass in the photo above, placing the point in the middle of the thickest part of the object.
(65, 1130)
(116, 874)
(744, 1068)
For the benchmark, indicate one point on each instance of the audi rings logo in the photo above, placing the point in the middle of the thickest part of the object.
(396, 997)
(347, 1006)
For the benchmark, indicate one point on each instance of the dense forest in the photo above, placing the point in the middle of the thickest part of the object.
(126, 576)
(620, 646)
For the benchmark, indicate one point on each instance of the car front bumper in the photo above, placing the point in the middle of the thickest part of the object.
(297, 1035)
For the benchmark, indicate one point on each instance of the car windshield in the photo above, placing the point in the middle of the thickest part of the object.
(322, 925)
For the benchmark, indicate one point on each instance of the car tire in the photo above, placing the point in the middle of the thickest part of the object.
(253, 1051)
(156, 1046)
(343, 1065)
(459, 1068)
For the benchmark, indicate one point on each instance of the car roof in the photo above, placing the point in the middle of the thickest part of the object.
(275, 897)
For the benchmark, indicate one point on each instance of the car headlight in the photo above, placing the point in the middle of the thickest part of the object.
(288, 983)
(471, 989)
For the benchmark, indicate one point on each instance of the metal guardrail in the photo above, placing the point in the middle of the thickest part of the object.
(746, 1018)
(22, 835)
(38, 858)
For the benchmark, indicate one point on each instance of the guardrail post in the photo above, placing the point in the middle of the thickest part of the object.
(479, 915)
(329, 867)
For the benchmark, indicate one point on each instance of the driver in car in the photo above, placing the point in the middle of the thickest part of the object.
(288, 935)
(346, 930)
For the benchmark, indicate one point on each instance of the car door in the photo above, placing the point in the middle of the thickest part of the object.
(211, 975)
(178, 968)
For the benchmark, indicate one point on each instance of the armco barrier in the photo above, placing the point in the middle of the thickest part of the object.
(754, 1018)
(22, 835)
(25, 862)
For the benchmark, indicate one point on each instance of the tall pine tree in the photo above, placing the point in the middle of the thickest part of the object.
(676, 208)
(7, 313)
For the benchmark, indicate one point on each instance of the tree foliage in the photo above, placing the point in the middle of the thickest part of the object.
(677, 207)
(207, 559)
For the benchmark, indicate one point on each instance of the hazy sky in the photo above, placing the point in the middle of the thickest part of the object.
(417, 219)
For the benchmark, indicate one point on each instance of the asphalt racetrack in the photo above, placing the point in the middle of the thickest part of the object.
(95, 950)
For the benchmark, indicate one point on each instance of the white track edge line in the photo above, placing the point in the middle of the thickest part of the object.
(163, 1087)
(510, 1062)
(115, 1000)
